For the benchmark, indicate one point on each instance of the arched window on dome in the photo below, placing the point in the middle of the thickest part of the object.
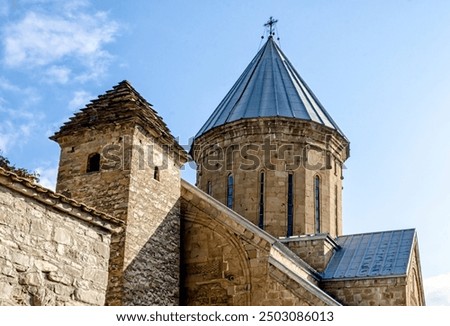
(290, 205)
(209, 188)
(93, 163)
(230, 189)
(317, 204)
(262, 179)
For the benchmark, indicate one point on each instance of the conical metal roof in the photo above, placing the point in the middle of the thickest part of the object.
(269, 87)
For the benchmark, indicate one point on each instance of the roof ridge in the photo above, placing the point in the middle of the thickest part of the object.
(364, 233)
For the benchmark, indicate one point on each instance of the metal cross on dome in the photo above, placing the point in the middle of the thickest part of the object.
(270, 24)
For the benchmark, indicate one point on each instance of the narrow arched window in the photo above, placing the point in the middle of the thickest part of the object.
(336, 208)
(209, 188)
(156, 173)
(261, 200)
(290, 205)
(317, 204)
(230, 186)
(93, 163)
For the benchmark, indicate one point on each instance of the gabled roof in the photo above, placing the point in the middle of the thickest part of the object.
(368, 255)
(121, 103)
(269, 87)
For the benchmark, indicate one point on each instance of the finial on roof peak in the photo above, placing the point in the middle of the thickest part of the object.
(270, 25)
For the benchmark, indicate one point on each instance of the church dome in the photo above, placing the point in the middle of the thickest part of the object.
(269, 87)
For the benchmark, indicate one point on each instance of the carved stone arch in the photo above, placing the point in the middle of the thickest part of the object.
(210, 268)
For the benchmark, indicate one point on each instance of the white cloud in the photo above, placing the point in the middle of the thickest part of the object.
(8, 86)
(13, 133)
(47, 176)
(48, 40)
(437, 290)
(79, 100)
(59, 74)
(17, 122)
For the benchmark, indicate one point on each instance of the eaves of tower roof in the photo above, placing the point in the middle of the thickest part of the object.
(120, 104)
(269, 87)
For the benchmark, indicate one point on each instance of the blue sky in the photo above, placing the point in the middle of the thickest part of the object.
(380, 68)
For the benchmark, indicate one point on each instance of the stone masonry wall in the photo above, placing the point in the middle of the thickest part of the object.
(152, 245)
(48, 257)
(226, 261)
(414, 290)
(106, 190)
(316, 250)
(144, 267)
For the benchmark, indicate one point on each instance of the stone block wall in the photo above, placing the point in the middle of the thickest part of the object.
(49, 255)
(152, 245)
(316, 250)
(144, 267)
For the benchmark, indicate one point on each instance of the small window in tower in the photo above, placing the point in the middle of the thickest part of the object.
(261, 199)
(290, 205)
(209, 188)
(230, 188)
(156, 173)
(93, 163)
(317, 204)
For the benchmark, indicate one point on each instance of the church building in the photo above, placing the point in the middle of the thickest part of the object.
(262, 226)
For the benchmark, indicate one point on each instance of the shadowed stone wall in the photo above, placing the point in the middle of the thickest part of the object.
(152, 245)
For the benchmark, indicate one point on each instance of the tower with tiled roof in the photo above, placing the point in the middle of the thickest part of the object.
(119, 157)
(271, 152)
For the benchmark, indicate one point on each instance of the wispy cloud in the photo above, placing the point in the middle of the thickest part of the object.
(48, 40)
(437, 290)
(47, 176)
(80, 99)
(59, 74)
(17, 121)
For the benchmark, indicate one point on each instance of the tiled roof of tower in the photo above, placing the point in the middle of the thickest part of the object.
(269, 87)
(121, 103)
(378, 254)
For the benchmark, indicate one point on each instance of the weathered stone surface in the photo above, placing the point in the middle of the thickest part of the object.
(316, 250)
(35, 267)
(90, 297)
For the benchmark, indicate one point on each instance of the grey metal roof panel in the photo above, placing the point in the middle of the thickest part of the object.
(269, 87)
(377, 254)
